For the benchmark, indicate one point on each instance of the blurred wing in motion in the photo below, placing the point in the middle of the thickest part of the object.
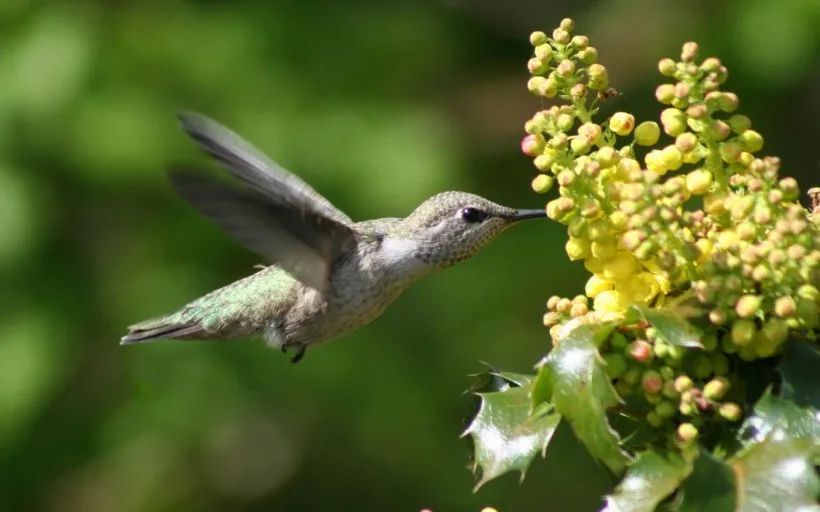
(301, 242)
(257, 171)
(276, 214)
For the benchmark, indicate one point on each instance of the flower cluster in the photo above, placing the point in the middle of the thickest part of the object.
(681, 211)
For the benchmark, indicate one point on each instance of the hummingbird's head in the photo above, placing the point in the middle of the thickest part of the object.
(452, 226)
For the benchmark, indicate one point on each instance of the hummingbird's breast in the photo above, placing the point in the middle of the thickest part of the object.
(362, 285)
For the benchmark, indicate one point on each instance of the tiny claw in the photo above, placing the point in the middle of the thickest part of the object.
(300, 353)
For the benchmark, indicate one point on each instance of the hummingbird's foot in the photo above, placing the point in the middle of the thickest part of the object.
(300, 353)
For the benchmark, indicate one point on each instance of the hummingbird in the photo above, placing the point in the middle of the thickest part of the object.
(328, 275)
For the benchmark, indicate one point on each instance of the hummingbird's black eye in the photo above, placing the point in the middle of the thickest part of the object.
(472, 214)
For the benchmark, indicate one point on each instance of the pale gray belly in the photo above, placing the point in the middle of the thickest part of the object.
(316, 319)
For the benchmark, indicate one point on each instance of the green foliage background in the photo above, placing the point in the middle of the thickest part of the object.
(378, 105)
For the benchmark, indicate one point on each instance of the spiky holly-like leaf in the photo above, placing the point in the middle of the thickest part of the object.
(776, 474)
(710, 486)
(649, 480)
(773, 413)
(799, 365)
(670, 326)
(582, 392)
(506, 436)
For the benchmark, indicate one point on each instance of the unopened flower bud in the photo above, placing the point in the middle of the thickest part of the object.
(751, 141)
(687, 433)
(672, 157)
(716, 388)
(717, 316)
(774, 332)
(667, 67)
(640, 351)
(542, 184)
(564, 305)
(730, 151)
(560, 36)
(537, 66)
(789, 188)
(696, 111)
(579, 42)
(580, 145)
(728, 102)
(543, 52)
(558, 141)
(577, 248)
(742, 332)
(683, 383)
(544, 161)
(566, 68)
(567, 24)
(730, 411)
(739, 123)
(551, 318)
(578, 310)
(590, 130)
(652, 382)
(647, 133)
(598, 78)
(588, 55)
(747, 306)
(665, 93)
(622, 123)
(710, 65)
(673, 121)
(808, 292)
(607, 156)
(532, 145)
(720, 130)
(689, 51)
(538, 38)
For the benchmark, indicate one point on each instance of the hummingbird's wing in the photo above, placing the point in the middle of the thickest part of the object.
(278, 215)
(302, 243)
(256, 170)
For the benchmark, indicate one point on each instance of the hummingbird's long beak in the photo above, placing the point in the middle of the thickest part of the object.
(527, 214)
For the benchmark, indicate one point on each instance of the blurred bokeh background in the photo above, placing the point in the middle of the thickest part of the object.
(378, 105)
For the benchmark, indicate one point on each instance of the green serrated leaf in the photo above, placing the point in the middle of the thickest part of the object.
(776, 474)
(773, 413)
(709, 487)
(648, 481)
(541, 387)
(671, 327)
(801, 380)
(518, 379)
(506, 436)
(582, 392)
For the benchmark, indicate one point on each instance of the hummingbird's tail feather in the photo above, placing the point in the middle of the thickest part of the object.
(160, 329)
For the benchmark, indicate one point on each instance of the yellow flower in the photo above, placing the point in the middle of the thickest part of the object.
(610, 301)
(594, 265)
(621, 267)
(577, 248)
(595, 285)
(604, 250)
(640, 288)
(706, 250)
